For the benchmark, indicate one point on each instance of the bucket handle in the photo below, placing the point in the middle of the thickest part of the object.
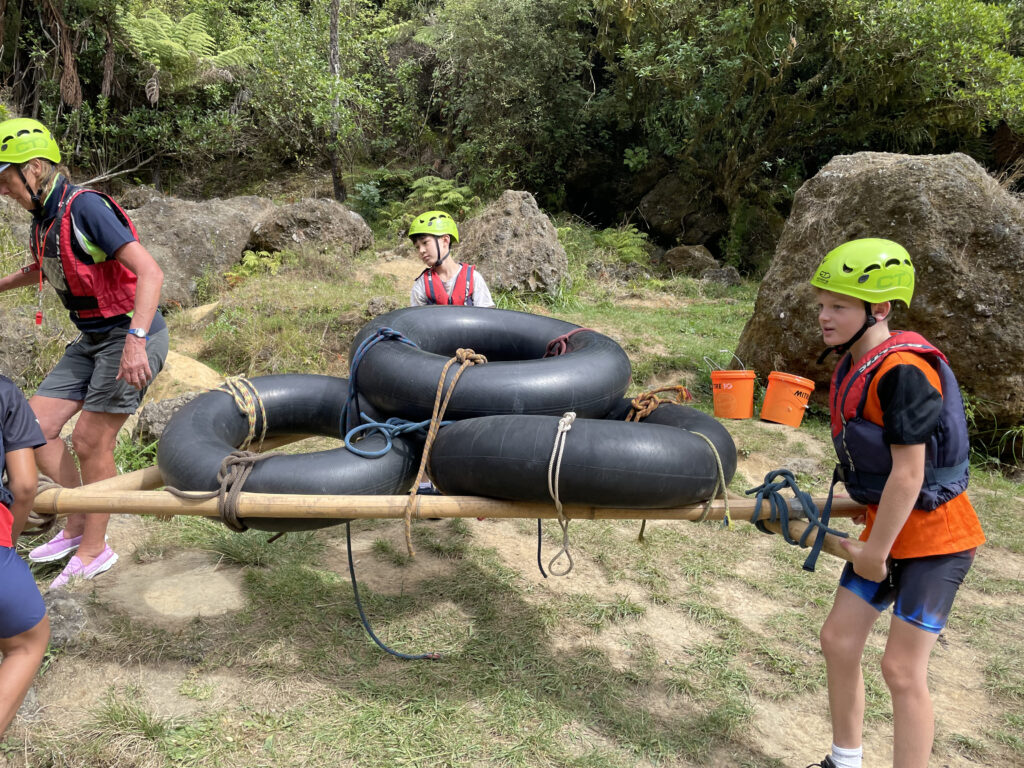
(713, 366)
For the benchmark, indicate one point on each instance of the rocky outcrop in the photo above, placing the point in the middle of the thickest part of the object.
(514, 245)
(966, 237)
(689, 260)
(320, 224)
(674, 209)
(192, 240)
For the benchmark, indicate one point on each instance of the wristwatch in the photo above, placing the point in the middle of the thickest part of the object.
(139, 332)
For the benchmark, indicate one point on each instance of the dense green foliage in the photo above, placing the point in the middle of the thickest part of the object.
(587, 103)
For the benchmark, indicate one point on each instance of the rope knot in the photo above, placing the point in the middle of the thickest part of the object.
(644, 404)
(41, 522)
(233, 472)
(469, 357)
(560, 344)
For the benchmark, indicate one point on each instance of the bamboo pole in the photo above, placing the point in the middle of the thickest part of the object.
(89, 499)
(831, 544)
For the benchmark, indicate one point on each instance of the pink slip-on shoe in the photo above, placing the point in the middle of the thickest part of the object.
(56, 548)
(104, 561)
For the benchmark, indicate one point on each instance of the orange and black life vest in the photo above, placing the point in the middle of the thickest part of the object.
(90, 290)
(462, 291)
(864, 458)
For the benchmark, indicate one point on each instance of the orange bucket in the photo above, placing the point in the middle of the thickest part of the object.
(733, 394)
(786, 398)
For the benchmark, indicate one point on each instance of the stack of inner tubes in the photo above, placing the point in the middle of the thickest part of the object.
(505, 417)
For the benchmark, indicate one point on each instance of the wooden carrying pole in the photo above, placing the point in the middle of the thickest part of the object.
(90, 499)
(134, 493)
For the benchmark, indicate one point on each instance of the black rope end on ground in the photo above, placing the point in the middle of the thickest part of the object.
(432, 656)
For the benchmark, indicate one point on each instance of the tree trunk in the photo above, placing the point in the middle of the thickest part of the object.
(70, 87)
(334, 64)
(107, 87)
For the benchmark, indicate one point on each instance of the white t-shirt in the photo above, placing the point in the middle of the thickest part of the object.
(481, 293)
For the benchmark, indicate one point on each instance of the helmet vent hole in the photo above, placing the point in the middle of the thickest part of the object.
(871, 267)
(847, 269)
(892, 263)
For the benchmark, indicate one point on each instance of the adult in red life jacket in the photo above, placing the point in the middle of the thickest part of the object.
(900, 433)
(444, 281)
(86, 247)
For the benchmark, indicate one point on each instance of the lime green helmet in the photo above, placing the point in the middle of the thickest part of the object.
(435, 223)
(869, 269)
(22, 139)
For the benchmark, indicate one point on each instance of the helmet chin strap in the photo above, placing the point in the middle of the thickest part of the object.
(37, 203)
(842, 349)
(440, 258)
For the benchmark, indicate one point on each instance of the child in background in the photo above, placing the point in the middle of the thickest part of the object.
(444, 281)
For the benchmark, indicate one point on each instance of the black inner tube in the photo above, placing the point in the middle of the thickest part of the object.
(207, 429)
(402, 380)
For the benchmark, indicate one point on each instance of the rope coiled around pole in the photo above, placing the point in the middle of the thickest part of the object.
(774, 482)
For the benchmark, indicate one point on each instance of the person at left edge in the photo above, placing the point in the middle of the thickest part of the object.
(87, 248)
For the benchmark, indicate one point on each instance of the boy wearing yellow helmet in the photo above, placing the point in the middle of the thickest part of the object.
(900, 434)
(444, 281)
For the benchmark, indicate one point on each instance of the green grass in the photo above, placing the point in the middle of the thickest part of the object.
(653, 653)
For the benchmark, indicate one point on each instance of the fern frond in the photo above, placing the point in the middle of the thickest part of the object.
(233, 57)
(153, 89)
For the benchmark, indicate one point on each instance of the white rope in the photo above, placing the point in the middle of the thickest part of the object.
(719, 486)
(554, 471)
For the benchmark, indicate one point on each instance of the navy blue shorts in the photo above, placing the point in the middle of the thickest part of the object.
(919, 589)
(21, 605)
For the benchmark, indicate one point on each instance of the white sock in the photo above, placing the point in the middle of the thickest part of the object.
(847, 758)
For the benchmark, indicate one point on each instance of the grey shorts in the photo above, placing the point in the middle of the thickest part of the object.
(88, 371)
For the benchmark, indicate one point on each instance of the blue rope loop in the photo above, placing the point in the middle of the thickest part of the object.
(351, 410)
(774, 482)
(392, 428)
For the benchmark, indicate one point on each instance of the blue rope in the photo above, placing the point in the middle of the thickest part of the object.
(392, 428)
(779, 512)
(351, 409)
(362, 614)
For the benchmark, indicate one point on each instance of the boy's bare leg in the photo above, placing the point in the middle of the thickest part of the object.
(843, 636)
(905, 668)
(22, 655)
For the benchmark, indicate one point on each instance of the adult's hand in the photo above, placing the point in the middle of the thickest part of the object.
(134, 367)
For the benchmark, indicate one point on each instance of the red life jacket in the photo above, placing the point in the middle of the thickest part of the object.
(864, 458)
(462, 291)
(90, 290)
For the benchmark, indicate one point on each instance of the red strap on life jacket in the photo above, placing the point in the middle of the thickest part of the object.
(849, 394)
(461, 291)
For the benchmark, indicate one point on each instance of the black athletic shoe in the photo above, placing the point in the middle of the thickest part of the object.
(826, 763)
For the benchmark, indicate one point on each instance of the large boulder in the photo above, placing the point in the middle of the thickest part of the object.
(675, 209)
(22, 346)
(320, 224)
(190, 240)
(689, 260)
(16, 222)
(514, 245)
(966, 237)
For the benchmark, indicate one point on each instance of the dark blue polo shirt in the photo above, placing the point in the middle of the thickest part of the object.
(97, 234)
(18, 429)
